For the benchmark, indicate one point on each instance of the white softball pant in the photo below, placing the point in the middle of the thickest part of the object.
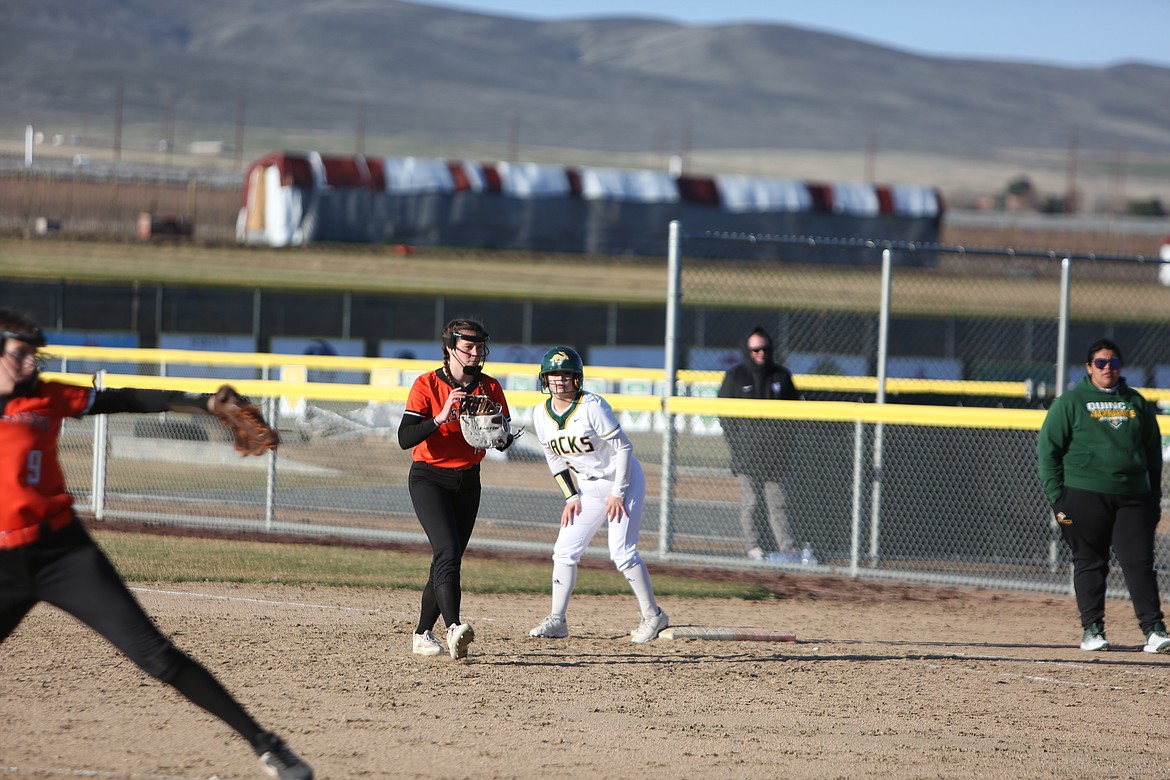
(623, 537)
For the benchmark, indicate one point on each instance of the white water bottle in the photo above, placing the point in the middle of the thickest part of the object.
(807, 557)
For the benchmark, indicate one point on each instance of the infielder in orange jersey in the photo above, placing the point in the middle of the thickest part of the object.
(593, 463)
(444, 476)
(47, 555)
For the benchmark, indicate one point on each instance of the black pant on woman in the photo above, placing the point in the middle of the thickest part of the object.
(446, 502)
(1125, 523)
(67, 569)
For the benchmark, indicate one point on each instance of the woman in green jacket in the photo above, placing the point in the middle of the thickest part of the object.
(1100, 463)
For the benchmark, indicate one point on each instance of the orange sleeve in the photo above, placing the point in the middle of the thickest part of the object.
(423, 398)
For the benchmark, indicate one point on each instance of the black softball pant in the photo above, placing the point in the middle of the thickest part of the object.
(68, 570)
(1125, 523)
(446, 502)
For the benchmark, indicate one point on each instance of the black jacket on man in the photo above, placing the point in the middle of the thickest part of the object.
(757, 446)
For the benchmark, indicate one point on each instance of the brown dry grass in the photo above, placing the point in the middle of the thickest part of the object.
(1004, 288)
(589, 279)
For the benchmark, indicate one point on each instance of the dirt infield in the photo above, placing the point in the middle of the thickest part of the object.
(883, 681)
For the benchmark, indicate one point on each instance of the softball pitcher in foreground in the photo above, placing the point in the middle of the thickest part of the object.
(47, 555)
(593, 463)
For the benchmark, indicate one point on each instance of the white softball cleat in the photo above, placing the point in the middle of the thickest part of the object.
(426, 644)
(552, 627)
(1094, 638)
(1157, 641)
(458, 638)
(650, 627)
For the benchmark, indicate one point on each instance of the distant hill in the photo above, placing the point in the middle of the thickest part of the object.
(340, 74)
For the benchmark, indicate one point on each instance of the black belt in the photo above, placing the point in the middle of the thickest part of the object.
(22, 537)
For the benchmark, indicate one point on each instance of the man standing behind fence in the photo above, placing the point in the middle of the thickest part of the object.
(757, 447)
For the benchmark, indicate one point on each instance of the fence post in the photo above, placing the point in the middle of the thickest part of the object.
(1062, 325)
(158, 315)
(273, 413)
(880, 397)
(101, 428)
(855, 515)
(346, 313)
(883, 345)
(256, 298)
(669, 436)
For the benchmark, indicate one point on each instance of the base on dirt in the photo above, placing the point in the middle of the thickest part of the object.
(735, 634)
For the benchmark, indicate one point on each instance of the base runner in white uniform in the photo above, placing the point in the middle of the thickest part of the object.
(593, 463)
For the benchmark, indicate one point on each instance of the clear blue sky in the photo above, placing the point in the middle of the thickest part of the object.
(1075, 33)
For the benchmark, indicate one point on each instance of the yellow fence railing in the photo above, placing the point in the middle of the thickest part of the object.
(390, 378)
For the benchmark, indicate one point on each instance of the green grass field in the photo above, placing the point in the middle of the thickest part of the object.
(142, 557)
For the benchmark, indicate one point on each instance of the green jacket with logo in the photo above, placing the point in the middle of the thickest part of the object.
(1099, 441)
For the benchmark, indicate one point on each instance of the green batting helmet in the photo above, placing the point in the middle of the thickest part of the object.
(560, 360)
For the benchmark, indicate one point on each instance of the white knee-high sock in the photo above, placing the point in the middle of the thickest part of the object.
(563, 581)
(639, 579)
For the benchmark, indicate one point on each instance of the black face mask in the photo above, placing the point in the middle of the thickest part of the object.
(470, 366)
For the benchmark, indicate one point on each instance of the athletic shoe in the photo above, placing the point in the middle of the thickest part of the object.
(458, 638)
(650, 627)
(1157, 640)
(552, 627)
(426, 644)
(1094, 638)
(279, 761)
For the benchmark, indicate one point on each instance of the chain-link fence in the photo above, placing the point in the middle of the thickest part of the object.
(948, 495)
(928, 493)
(952, 313)
(940, 486)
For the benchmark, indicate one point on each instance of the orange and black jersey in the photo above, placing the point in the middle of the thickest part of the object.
(32, 485)
(443, 446)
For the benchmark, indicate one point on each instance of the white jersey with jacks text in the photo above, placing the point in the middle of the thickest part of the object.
(587, 439)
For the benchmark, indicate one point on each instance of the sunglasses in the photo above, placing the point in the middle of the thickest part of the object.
(757, 349)
(1102, 363)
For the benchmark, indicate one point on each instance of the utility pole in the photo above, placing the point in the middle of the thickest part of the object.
(684, 145)
(1070, 177)
(870, 156)
(239, 143)
(360, 132)
(118, 123)
(514, 139)
(168, 129)
(1119, 173)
